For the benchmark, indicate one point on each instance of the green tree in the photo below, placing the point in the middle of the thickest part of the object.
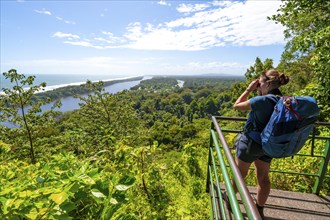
(107, 117)
(255, 71)
(307, 26)
(18, 108)
(299, 71)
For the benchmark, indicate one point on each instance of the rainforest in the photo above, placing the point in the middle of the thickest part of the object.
(142, 153)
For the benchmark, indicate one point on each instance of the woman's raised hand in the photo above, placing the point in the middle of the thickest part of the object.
(253, 85)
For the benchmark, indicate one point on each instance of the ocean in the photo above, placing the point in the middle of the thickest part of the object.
(56, 81)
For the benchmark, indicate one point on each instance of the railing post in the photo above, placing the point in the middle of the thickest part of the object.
(208, 165)
(209, 161)
(322, 170)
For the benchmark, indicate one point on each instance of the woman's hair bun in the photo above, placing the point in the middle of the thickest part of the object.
(283, 79)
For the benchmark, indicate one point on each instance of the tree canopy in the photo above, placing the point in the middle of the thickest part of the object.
(307, 29)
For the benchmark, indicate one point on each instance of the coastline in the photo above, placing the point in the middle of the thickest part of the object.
(64, 86)
(79, 89)
(106, 83)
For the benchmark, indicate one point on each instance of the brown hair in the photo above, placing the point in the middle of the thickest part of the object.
(275, 78)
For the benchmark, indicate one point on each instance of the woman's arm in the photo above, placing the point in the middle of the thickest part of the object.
(242, 103)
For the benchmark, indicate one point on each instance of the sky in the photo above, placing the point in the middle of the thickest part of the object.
(134, 38)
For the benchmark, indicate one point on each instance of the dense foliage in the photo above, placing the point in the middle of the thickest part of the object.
(142, 154)
(155, 137)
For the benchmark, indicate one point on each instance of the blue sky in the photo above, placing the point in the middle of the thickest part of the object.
(132, 38)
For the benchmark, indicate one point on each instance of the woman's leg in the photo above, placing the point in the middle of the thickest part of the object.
(262, 171)
(243, 168)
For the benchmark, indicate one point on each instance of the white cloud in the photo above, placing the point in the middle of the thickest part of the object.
(43, 11)
(100, 39)
(222, 3)
(79, 43)
(189, 8)
(107, 33)
(83, 43)
(65, 35)
(134, 31)
(65, 21)
(162, 39)
(70, 22)
(209, 25)
(111, 39)
(163, 2)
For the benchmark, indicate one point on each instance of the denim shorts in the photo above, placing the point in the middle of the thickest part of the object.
(248, 151)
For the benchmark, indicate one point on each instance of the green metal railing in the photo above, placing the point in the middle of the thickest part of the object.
(216, 160)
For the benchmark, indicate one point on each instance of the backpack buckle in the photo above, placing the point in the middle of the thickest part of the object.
(287, 102)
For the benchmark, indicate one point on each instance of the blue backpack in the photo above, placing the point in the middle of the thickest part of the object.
(289, 126)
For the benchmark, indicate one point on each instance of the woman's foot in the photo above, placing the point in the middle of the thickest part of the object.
(261, 211)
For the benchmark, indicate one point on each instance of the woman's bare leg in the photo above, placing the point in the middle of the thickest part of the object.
(243, 168)
(262, 171)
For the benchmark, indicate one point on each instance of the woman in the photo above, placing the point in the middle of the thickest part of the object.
(261, 108)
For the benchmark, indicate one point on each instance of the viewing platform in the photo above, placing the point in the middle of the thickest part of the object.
(292, 205)
(222, 170)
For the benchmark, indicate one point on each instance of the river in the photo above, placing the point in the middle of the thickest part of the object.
(70, 103)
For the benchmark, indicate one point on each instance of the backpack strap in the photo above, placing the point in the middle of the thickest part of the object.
(274, 98)
(288, 105)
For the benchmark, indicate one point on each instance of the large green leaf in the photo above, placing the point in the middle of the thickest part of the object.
(127, 180)
(113, 201)
(68, 206)
(122, 187)
(74, 187)
(59, 198)
(86, 179)
(17, 203)
(33, 214)
(26, 193)
(97, 193)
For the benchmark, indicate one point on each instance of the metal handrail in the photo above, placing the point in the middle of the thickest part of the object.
(216, 196)
(250, 207)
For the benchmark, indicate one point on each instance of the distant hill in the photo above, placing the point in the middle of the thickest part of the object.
(206, 75)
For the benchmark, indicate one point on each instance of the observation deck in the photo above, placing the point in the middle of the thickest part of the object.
(280, 204)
